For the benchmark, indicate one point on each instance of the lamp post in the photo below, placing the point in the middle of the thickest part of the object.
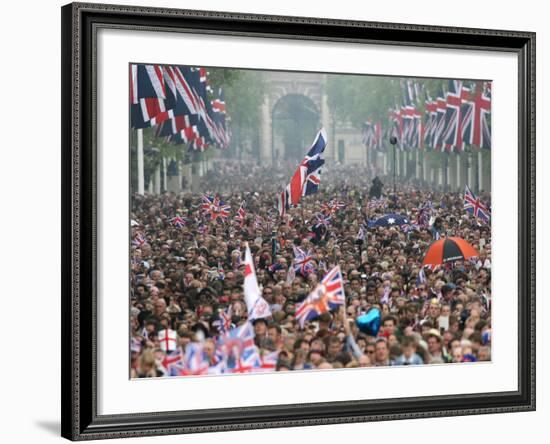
(393, 141)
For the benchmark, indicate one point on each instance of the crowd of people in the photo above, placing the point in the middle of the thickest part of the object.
(185, 275)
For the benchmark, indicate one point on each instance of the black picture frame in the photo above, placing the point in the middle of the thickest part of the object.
(79, 172)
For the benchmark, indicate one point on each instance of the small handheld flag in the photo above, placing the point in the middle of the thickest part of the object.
(303, 261)
(178, 222)
(167, 340)
(241, 213)
(328, 295)
(214, 208)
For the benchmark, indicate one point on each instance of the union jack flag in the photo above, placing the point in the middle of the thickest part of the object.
(372, 135)
(332, 207)
(178, 222)
(430, 125)
(474, 206)
(328, 295)
(439, 124)
(268, 361)
(246, 364)
(303, 261)
(480, 127)
(368, 134)
(237, 346)
(424, 215)
(173, 362)
(147, 95)
(322, 220)
(307, 177)
(467, 114)
(396, 122)
(139, 240)
(374, 204)
(214, 208)
(219, 367)
(223, 324)
(457, 102)
(412, 119)
(194, 361)
(361, 233)
(241, 213)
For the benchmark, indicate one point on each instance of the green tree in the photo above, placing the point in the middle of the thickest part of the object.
(243, 98)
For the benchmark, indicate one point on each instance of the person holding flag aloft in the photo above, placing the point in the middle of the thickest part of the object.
(327, 295)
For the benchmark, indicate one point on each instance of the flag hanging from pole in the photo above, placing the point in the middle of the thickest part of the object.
(307, 177)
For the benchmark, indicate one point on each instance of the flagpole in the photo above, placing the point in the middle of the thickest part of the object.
(140, 170)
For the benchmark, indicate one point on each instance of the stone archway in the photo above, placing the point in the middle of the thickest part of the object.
(285, 85)
(295, 120)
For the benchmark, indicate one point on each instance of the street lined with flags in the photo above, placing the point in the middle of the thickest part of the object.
(276, 255)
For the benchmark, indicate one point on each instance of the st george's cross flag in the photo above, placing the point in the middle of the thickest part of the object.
(328, 295)
(168, 340)
(256, 305)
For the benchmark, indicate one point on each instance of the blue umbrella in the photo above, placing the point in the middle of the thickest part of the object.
(390, 220)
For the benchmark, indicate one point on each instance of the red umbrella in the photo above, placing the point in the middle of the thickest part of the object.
(447, 250)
